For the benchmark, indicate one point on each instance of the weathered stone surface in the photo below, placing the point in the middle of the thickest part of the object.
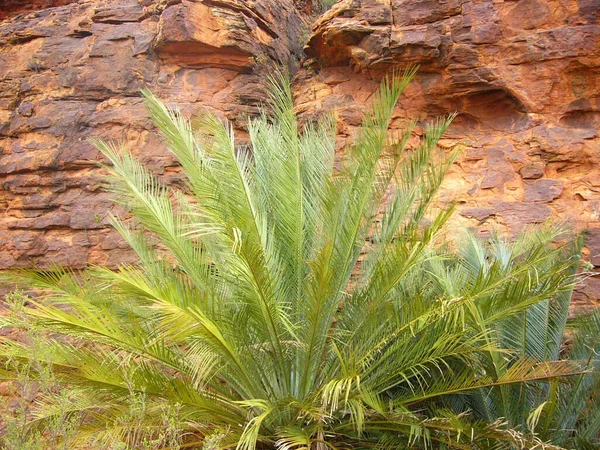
(543, 190)
(523, 77)
(532, 171)
(75, 71)
(478, 213)
(586, 297)
(517, 214)
(592, 242)
(231, 34)
(14, 7)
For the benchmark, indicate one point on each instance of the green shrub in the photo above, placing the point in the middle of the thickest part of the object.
(565, 412)
(324, 5)
(285, 300)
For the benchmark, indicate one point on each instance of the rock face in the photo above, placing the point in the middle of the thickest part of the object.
(72, 72)
(523, 77)
(11, 8)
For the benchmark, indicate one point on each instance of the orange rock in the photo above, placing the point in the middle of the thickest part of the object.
(71, 72)
(523, 76)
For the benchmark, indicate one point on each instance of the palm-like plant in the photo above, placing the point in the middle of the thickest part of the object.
(565, 412)
(280, 301)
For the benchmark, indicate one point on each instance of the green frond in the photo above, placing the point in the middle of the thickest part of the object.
(291, 298)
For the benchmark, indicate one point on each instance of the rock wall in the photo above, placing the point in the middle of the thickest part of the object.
(523, 76)
(10, 8)
(72, 72)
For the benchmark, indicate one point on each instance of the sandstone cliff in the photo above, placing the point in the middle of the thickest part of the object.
(68, 73)
(523, 76)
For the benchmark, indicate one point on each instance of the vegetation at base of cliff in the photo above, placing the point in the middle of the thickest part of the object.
(290, 299)
(325, 5)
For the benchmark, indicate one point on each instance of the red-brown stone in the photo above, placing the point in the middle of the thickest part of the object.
(9, 8)
(523, 77)
(68, 73)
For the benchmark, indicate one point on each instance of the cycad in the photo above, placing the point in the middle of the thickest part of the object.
(277, 302)
(565, 412)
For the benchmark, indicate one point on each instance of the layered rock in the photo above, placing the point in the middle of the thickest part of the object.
(72, 72)
(523, 77)
(10, 8)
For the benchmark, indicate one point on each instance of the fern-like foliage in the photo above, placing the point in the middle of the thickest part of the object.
(565, 412)
(285, 299)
